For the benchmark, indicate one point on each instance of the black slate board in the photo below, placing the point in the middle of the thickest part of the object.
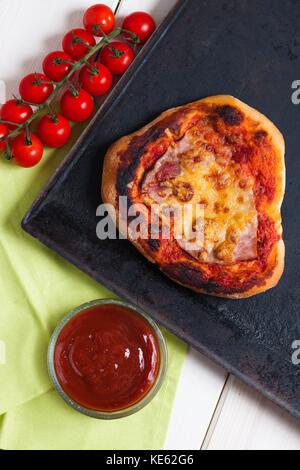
(248, 48)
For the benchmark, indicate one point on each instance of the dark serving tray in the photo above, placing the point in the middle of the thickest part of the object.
(248, 48)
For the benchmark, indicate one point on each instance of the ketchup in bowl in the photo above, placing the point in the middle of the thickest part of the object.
(107, 359)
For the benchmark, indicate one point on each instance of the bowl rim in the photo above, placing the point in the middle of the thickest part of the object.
(108, 415)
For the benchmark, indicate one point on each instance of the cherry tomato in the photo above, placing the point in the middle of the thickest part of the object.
(27, 153)
(54, 130)
(33, 89)
(3, 132)
(54, 66)
(99, 18)
(77, 107)
(72, 43)
(141, 24)
(117, 56)
(15, 111)
(96, 79)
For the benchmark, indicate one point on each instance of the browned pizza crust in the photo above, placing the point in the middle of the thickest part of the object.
(123, 170)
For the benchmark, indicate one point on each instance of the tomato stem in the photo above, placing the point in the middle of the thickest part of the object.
(52, 114)
(8, 154)
(73, 90)
(104, 36)
(10, 123)
(37, 81)
(18, 100)
(64, 61)
(116, 52)
(45, 82)
(21, 101)
(77, 40)
(92, 68)
(135, 37)
(98, 29)
(28, 140)
(54, 118)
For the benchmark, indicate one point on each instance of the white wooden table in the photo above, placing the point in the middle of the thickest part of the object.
(212, 410)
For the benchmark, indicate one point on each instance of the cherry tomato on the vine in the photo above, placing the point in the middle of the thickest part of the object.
(4, 131)
(54, 130)
(96, 79)
(35, 88)
(99, 18)
(27, 152)
(141, 24)
(15, 111)
(77, 106)
(77, 42)
(57, 65)
(117, 56)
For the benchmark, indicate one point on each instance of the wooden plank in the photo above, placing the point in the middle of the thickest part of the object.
(198, 392)
(245, 420)
(28, 37)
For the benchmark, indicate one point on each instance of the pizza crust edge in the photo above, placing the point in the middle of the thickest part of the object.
(276, 257)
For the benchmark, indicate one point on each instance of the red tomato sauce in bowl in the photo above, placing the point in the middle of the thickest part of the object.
(107, 359)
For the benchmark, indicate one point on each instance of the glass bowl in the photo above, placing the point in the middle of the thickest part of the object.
(117, 413)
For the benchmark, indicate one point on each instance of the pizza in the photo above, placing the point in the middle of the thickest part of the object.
(225, 157)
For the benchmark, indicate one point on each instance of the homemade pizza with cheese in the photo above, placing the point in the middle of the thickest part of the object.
(226, 157)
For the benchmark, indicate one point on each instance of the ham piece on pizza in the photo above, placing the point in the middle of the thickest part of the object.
(226, 157)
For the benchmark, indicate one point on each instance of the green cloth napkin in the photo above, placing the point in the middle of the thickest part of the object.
(37, 289)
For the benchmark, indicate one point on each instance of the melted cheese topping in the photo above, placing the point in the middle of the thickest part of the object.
(192, 172)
